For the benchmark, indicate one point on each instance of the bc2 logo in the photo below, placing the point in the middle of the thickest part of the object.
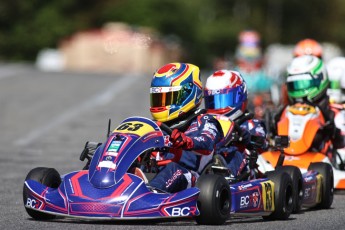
(186, 211)
(32, 203)
(244, 201)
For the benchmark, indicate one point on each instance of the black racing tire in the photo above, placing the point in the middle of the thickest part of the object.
(283, 195)
(48, 177)
(214, 202)
(297, 185)
(327, 186)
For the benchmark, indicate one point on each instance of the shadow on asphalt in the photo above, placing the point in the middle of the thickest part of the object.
(160, 222)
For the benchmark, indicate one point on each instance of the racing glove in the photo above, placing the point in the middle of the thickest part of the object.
(246, 137)
(180, 140)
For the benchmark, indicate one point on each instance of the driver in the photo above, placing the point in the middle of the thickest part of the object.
(176, 94)
(307, 82)
(226, 94)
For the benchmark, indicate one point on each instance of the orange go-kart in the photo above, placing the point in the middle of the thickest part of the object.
(309, 149)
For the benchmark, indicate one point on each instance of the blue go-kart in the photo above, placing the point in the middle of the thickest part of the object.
(112, 187)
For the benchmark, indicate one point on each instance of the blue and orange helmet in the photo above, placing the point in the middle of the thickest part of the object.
(176, 89)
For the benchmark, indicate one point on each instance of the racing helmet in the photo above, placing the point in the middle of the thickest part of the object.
(225, 93)
(306, 78)
(336, 74)
(308, 47)
(249, 58)
(176, 89)
(249, 38)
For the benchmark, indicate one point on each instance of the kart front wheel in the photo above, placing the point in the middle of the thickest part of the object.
(327, 186)
(214, 200)
(48, 177)
(297, 185)
(283, 195)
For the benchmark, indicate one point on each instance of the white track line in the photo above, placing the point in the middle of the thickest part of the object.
(101, 99)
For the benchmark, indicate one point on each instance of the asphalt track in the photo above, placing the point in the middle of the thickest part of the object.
(45, 120)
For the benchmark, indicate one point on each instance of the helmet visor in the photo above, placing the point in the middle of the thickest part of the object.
(301, 82)
(165, 96)
(220, 99)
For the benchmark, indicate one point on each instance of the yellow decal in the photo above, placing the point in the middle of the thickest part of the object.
(268, 195)
(301, 109)
(226, 126)
(319, 179)
(135, 127)
(225, 123)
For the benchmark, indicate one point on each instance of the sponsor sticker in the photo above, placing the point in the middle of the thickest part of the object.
(244, 186)
(256, 199)
(32, 203)
(308, 178)
(182, 211)
(268, 195)
(164, 89)
(107, 164)
(250, 200)
(114, 146)
(244, 201)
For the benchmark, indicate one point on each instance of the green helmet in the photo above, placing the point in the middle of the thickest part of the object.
(307, 78)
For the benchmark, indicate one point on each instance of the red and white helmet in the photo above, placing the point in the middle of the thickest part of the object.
(225, 93)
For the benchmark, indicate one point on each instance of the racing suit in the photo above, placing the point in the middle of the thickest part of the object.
(204, 133)
(331, 132)
(236, 155)
(329, 114)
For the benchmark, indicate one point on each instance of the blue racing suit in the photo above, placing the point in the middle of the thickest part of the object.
(205, 133)
(235, 155)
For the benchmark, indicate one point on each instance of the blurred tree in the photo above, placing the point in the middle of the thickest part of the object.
(28, 26)
(207, 29)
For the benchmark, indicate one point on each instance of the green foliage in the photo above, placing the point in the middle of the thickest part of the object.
(206, 28)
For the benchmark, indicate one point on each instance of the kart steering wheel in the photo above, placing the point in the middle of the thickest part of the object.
(164, 127)
(177, 153)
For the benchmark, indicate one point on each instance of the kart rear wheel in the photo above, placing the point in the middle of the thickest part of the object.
(48, 177)
(283, 195)
(297, 185)
(327, 187)
(214, 200)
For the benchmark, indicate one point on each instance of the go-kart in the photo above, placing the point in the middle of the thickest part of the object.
(112, 187)
(315, 182)
(257, 185)
(339, 120)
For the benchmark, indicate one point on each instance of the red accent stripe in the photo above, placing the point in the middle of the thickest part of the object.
(198, 84)
(75, 184)
(181, 75)
(166, 68)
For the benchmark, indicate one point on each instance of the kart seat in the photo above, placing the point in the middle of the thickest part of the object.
(138, 172)
(217, 166)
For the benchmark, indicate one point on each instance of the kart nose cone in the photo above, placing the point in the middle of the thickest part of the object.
(102, 179)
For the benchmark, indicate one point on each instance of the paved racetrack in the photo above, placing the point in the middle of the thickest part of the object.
(45, 120)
